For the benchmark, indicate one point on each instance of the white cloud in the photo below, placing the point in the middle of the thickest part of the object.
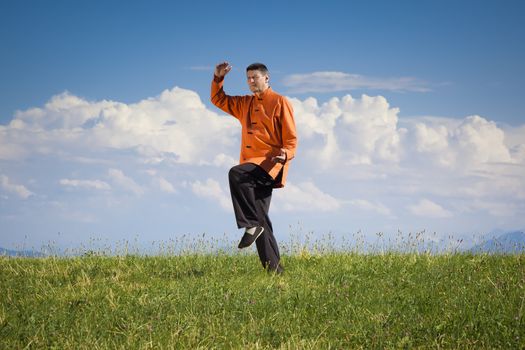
(305, 196)
(202, 68)
(10, 150)
(342, 133)
(211, 189)
(350, 131)
(175, 125)
(19, 190)
(515, 141)
(479, 141)
(165, 186)
(431, 139)
(94, 184)
(340, 81)
(429, 209)
(464, 144)
(125, 182)
(224, 161)
(355, 153)
(364, 204)
(496, 209)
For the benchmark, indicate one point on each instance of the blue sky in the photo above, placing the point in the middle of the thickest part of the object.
(469, 53)
(432, 137)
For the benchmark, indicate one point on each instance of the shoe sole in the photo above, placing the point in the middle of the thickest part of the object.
(260, 233)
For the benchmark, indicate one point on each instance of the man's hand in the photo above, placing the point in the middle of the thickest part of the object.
(222, 69)
(281, 158)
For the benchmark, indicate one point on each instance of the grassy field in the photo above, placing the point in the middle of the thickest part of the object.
(323, 301)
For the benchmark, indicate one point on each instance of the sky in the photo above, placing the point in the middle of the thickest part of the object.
(410, 117)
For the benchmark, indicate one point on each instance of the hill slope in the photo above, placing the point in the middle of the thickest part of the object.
(510, 242)
(24, 253)
(228, 301)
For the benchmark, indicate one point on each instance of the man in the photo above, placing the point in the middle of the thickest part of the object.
(268, 144)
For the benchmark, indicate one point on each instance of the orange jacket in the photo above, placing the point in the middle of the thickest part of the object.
(267, 127)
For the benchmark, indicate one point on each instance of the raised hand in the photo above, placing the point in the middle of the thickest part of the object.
(222, 69)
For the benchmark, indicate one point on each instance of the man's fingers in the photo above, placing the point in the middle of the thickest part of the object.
(223, 65)
(222, 68)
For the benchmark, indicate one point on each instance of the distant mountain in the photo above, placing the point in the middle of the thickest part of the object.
(507, 243)
(24, 253)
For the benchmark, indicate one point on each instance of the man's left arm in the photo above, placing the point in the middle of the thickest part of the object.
(289, 133)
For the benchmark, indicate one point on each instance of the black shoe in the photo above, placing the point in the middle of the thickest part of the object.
(248, 239)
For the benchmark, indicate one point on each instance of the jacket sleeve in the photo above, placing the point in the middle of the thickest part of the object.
(289, 133)
(229, 104)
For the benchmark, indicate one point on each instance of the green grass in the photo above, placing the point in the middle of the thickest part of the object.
(329, 300)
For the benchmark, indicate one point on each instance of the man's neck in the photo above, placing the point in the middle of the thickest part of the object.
(260, 93)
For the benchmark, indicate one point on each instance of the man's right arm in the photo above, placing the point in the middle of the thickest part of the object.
(229, 104)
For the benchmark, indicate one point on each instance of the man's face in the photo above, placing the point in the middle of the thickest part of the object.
(257, 81)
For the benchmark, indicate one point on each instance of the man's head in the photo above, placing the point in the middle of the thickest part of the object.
(257, 77)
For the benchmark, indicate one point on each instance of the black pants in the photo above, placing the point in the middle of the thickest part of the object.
(251, 189)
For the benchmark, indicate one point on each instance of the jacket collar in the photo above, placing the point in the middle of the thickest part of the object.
(266, 93)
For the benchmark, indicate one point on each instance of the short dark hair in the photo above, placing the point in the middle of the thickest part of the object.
(257, 66)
